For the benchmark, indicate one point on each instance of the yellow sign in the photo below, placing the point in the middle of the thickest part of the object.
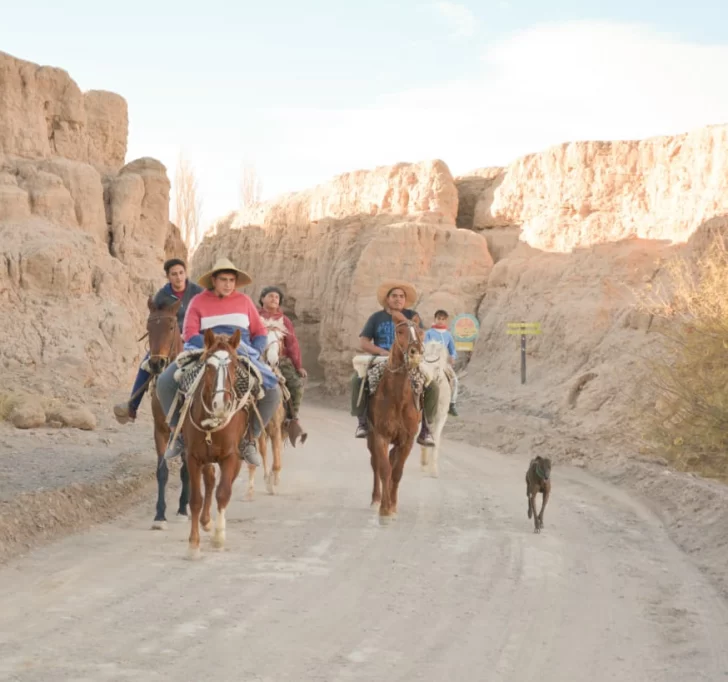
(523, 328)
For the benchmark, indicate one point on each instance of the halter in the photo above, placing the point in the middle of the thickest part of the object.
(220, 413)
(159, 319)
(413, 341)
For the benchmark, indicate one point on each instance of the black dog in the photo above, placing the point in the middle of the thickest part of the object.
(538, 480)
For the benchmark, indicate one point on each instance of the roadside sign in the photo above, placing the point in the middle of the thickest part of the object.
(464, 329)
(523, 329)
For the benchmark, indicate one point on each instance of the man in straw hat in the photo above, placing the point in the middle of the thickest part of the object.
(376, 338)
(223, 309)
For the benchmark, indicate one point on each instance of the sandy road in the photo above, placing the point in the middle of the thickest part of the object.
(310, 587)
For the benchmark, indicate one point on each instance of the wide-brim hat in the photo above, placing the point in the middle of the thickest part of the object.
(224, 264)
(410, 292)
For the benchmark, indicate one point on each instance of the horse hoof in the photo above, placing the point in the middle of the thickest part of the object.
(375, 504)
(182, 513)
(385, 520)
(207, 527)
(218, 541)
(193, 553)
(159, 525)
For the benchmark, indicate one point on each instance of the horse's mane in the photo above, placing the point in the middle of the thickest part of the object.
(277, 325)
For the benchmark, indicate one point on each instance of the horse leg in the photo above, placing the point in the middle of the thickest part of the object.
(276, 443)
(160, 521)
(208, 476)
(263, 447)
(398, 458)
(424, 459)
(224, 492)
(385, 474)
(193, 550)
(437, 437)
(161, 436)
(184, 496)
(377, 489)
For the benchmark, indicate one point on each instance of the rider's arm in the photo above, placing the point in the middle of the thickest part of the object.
(293, 350)
(368, 347)
(193, 320)
(258, 332)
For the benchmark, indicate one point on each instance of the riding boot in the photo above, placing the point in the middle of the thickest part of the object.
(249, 451)
(425, 438)
(362, 430)
(295, 431)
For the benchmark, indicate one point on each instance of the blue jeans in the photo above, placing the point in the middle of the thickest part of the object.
(141, 377)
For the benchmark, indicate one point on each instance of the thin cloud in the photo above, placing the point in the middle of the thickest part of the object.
(462, 21)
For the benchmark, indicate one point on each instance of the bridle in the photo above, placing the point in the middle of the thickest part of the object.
(164, 358)
(220, 413)
(413, 340)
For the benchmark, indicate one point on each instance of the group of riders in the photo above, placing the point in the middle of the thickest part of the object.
(215, 303)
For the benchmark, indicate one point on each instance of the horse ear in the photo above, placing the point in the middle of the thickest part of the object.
(150, 304)
(209, 338)
(235, 339)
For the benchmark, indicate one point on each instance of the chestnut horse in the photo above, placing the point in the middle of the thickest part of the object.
(394, 414)
(276, 430)
(212, 429)
(165, 343)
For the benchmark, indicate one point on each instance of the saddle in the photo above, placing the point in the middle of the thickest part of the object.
(372, 368)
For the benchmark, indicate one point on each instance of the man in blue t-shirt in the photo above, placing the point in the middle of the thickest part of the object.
(376, 338)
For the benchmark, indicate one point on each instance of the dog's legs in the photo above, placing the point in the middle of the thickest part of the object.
(532, 512)
(544, 500)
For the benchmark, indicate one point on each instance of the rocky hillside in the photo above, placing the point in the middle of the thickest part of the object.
(564, 237)
(82, 234)
(328, 249)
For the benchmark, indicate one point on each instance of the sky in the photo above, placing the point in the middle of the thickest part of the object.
(308, 90)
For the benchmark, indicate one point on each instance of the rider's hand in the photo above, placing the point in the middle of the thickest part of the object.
(303, 373)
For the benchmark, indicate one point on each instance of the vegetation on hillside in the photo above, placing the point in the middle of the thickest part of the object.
(689, 378)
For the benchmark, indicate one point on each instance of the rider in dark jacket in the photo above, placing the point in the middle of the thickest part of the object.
(177, 287)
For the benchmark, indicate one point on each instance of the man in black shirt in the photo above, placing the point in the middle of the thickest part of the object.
(377, 338)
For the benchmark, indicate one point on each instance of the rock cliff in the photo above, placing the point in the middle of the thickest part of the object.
(82, 235)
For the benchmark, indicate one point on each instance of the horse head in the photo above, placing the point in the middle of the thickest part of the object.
(218, 382)
(276, 332)
(436, 354)
(408, 341)
(164, 336)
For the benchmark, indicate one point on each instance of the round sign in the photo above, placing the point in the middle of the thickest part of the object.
(465, 328)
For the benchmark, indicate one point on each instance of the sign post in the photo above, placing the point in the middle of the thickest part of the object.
(464, 330)
(523, 329)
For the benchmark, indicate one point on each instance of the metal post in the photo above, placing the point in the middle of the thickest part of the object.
(523, 358)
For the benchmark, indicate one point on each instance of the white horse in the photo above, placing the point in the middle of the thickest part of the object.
(436, 365)
(275, 430)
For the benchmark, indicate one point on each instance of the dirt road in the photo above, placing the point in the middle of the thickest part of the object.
(310, 587)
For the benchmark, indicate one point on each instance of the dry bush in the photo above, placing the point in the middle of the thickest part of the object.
(251, 189)
(187, 203)
(689, 377)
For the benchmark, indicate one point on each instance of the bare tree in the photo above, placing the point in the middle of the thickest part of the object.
(251, 189)
(188, 206)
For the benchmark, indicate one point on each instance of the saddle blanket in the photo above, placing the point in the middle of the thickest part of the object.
(372, 367)
(190, 365)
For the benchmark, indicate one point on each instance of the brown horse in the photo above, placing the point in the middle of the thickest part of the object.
(394, 414)
(165, 343)
(276, 430)
(212, 429)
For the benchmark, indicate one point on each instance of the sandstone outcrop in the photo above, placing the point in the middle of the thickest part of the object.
(329, 247)
(44, 114)
(585, 193)
(82, 236)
